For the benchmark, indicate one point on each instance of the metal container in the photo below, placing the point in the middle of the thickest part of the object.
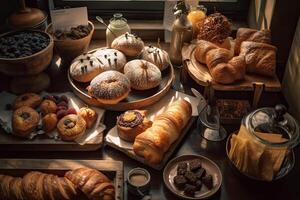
(181, 32)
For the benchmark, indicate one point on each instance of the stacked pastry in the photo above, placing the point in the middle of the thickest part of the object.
(111, 77)
(227, 61)
(81, 183)
(254, 158)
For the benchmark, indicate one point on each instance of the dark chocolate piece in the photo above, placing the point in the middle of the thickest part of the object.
(198, 185)
(182, 168)
(190, 190)
(208, 181)
(179, 182)
(200, 173)
(195, 164)
(191, 177)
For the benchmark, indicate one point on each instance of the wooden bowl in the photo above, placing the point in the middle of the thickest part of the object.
(29, 65)
(69, 49)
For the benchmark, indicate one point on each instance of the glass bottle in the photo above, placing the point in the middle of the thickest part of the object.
(181, 32)
(196, 15)
(117, 26)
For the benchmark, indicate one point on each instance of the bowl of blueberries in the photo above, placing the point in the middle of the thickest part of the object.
(25, 52)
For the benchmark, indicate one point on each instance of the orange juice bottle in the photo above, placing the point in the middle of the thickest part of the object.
(196, 15)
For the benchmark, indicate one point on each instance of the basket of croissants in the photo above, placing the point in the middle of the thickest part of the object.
(229, 60)
(81, 183)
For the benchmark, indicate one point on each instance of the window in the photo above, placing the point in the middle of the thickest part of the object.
(152, 10)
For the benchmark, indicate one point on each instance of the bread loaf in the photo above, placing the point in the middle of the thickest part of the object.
(153, 143)
(157, 56)
(223, 67)
(248, 34)
(129, 44)
(260, 58)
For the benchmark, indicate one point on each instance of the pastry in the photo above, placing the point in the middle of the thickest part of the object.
(92, 183)
(82, 183)
(111, 59)
(28, 99)
(71, 127)
(109, 87)
(48, 106)
(132, 123)
(89, 115)
(153, 143)
(85, 67)
(260, 58)
(248, 34)
(157, 56)
(24, 121)
(49, 122)
(223, 68)
(129, 44)
(142, 74)
(214, 28)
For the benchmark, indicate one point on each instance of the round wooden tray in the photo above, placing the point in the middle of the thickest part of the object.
(135, 100)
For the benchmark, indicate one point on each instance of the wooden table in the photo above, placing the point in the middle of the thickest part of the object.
(233, 187)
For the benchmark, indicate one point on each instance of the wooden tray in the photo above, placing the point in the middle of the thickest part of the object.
(168, 154)
(136, 99)
(201, 75)
(12, 143)
(18, 167)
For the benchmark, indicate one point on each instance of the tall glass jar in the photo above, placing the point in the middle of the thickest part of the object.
(117, 26)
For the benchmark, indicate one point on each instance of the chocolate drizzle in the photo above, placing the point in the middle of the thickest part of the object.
(135, 122)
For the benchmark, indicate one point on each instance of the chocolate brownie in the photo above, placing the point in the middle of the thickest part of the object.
(180, 181)
(195, 164)
(191, 177)
(208, 181)
(190, 190)
(182, 168)
(200, 173)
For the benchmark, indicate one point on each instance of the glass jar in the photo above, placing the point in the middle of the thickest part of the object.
(117, 26)
(195, 16)
(272, 134)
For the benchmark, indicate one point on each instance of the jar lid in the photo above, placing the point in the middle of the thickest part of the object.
(276, 120)
(26, 18)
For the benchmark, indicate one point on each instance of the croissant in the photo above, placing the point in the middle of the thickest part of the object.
(260, 58)
(153, 143)
(40, 186)
(92, 183)
(223, 67)
(248, 34)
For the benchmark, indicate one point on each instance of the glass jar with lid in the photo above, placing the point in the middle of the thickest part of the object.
(117, 26)
(263, 148)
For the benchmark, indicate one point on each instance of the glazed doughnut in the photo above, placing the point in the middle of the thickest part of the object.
(25, 119)
(109, 87)
(28, 99)
(71, 127)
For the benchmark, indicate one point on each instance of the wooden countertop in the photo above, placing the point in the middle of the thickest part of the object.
(233, 187)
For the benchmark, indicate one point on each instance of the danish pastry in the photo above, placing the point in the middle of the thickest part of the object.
(71, 127)
(25, 119)
(89, 115)
(132, 123)
(28, 99)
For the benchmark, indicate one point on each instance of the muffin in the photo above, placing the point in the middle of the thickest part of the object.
(49, 122)
(48, 106)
